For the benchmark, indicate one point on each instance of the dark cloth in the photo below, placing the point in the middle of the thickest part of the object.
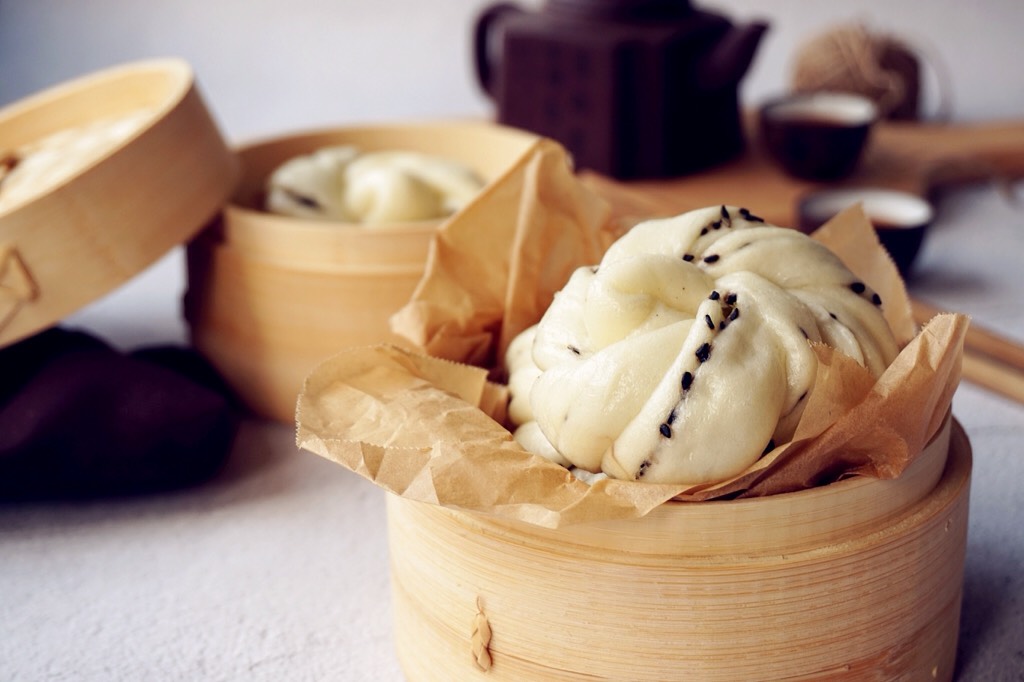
(81, 419)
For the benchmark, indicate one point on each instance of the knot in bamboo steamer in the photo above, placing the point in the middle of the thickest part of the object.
(99, 222)
(271, 296)
(857, 580)
(849, 58)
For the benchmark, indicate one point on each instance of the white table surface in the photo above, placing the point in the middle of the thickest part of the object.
(277, 569)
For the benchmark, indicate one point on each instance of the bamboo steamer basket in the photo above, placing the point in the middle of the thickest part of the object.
(858, 580)
(69, 243)
(271, 296)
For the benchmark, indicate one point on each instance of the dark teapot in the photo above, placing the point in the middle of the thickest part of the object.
(632, 88)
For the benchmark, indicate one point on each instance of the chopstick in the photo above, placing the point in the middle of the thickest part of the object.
(991, 361)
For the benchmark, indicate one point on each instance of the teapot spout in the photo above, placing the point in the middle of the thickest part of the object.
(728, 61)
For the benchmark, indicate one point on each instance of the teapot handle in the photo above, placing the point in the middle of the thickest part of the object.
(481, 42)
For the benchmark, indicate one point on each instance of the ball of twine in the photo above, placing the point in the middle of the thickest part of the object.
(850, 58)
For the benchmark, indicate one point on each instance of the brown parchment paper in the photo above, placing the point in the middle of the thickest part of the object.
(493, 269)
(428, 425)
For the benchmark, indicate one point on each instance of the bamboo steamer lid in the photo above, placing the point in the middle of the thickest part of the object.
(106, 220)
(858, 580)
(271, 296)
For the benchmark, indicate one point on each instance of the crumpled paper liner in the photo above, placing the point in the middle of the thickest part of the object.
(493, 270)
(429, 426)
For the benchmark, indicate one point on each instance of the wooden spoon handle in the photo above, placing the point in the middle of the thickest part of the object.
(996, 377)
(991, 361)
(979, 341)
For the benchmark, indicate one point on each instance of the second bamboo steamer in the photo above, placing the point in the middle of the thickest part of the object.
(270, 296)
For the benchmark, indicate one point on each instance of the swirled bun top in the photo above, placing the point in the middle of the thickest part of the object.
(339, 183)
(686, 353)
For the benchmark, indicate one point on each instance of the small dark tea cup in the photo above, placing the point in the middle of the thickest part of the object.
(817, 136)
(900, 219)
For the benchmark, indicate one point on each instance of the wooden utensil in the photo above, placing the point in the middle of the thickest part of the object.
(913, 157)
(990, 360)
(270, 296)
(116, 214)
(852, 581)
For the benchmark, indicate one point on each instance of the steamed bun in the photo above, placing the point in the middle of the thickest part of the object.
(685, 354)
(340, 183)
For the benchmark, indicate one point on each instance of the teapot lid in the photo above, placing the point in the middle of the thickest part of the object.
(643, 10)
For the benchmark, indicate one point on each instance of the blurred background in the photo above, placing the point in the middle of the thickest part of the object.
(267, 66)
